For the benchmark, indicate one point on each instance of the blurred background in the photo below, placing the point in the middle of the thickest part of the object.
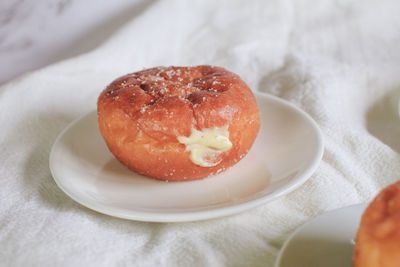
(34, 34)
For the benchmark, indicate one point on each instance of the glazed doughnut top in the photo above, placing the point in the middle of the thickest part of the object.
(195, 118)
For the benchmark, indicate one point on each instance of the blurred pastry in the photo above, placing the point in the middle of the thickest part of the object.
(378, 238)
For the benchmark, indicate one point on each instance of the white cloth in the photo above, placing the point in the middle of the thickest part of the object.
(337, 60)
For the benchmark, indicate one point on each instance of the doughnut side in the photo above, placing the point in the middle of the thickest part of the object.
(378, 238)
(143, 115)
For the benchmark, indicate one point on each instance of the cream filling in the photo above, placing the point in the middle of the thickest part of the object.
(206, 145)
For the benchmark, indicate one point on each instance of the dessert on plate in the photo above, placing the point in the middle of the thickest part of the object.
(178, 123)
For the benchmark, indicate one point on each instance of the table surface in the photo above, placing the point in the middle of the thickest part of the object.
(34, 34)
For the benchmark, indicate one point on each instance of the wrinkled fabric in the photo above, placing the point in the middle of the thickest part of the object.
(337, 60)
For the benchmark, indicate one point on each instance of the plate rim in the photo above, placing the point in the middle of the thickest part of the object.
(285, 244)
(202, 214)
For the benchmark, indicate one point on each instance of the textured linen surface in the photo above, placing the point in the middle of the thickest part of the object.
(337, 60)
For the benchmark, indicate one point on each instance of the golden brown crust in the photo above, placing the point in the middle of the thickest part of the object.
(378, 238)
(142, 114)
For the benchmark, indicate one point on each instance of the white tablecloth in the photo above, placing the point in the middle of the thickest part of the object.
(337, 60)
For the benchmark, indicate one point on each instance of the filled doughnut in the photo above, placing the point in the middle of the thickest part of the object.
(378, 238)
(178, 123)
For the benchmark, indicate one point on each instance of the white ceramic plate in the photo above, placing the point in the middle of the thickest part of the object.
(326, 240)
(286, 152)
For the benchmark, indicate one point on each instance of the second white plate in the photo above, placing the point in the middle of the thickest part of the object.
(286, 152)
(326, 240)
